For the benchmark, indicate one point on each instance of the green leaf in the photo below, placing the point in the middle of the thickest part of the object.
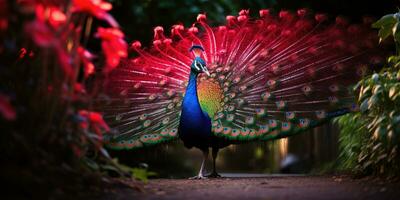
(364, 106)
(110, 168)
(104, 152)
(364, 92)
(393, 59)
(377, 146)
(392, 92)
(396, 32)
(142, 174)
(372, 101)
(396, 119)
(375, 77)
(377, 89)
(91, 164)
(380, 132)
(386, 20)
(384, 32)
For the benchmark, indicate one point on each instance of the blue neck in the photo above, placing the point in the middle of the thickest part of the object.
(194, 123)
(191, 88)
(191, 107)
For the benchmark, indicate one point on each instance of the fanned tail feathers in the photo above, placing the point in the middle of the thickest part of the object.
(271, 77)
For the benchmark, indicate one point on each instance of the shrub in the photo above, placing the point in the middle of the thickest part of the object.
(370, 140)
(51, 138)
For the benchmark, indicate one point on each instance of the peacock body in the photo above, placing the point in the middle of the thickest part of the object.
(249, 80)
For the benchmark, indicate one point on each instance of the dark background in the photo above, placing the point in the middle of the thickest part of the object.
(313, 151)
(138, 18)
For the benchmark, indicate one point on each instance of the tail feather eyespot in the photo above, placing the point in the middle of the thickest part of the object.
(226, 130)
(263, 129)
(173, 132)
(286, 126)
(235, 132)
(244, 132)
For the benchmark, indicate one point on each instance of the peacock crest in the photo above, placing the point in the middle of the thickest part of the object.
(270, 77)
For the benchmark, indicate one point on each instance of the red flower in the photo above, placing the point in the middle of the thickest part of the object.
(113, 45)
(97, 8)
(51, 14)
(79, 88)
(95, 120)
(3, 24)
(45, 36)
(41, 34)
(22, 52)
(6, 109)
(77, 150)
(86, 56)
(3, 15)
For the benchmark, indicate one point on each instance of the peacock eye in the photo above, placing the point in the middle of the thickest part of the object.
(198, 65)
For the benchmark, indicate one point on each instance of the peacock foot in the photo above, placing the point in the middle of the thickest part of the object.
(213, 175)
(198, 177)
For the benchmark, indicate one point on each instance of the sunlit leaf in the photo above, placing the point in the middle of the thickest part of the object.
(396, 32)
(142, 174)
(384, 32)
(392, 92)
(105, 153)
(91, 164)
(386, 20)
(364, 106)
(375, 77)
(372, 101)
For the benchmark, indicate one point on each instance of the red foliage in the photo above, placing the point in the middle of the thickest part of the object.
(86, 56)
(6, 109)
(3, 15)
(45, 34)
(56, 32)
(22, 53)
(113, 45)
(94, 121)
(97, 8)
(53, 14)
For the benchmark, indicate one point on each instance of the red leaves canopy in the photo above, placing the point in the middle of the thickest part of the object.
(113, 45)
(96, 8)
(6, 109)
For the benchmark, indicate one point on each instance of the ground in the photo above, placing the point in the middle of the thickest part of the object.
(274, 187)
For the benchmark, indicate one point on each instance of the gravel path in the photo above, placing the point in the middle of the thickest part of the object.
(274, 187)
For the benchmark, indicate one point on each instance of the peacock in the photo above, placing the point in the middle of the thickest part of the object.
(252, 79)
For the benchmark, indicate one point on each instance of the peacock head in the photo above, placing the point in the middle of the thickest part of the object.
(198, 65)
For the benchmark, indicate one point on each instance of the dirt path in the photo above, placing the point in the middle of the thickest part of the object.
(271, 187)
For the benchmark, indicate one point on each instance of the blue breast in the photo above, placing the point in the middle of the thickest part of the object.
(195, 125)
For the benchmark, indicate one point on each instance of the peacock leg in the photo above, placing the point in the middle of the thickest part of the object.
(214, 173)
(200, 175)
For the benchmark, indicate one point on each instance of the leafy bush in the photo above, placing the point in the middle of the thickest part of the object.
(370, 140)
(51, 138)
(353, 136)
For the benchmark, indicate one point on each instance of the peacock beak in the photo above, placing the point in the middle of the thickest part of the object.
(201, 68)
(205, 70)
